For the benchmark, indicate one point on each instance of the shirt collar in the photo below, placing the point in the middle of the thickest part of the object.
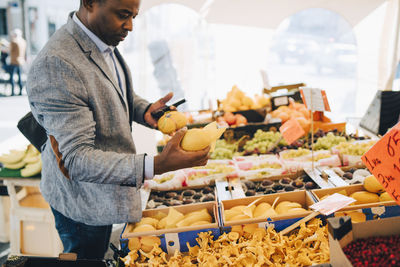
(103, 47)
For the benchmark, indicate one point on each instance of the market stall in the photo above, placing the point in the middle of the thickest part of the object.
(286, 182)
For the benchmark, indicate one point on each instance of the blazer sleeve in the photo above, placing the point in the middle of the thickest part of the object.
(59, 102)
(140, 107)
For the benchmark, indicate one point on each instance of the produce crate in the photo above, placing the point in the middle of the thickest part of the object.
(302, 197)
(210, 206)
(319, 193)
(189, 195)
(176, 238)
(342, 233)
(279, 184)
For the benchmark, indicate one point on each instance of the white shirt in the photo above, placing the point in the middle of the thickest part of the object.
(108, 52)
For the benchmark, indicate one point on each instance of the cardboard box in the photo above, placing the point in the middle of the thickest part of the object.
(210, 206)
(383, 227)
(154, 196)
(319, 193)
(302, 197)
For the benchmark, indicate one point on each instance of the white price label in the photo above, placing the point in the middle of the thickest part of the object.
(332, 204)
(281, 101)
(315, 99)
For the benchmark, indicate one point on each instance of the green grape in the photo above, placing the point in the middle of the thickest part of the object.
(328, 141)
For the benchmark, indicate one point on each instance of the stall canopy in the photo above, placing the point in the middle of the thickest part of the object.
(268, 13)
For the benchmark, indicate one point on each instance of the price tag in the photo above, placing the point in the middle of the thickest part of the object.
(281, 101)
(291, 131)
(332, 204)
(383, 160)
(315, 99)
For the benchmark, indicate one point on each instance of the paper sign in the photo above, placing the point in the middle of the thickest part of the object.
(291, 131)
(332, 204)
(383, 160)
(315, 99)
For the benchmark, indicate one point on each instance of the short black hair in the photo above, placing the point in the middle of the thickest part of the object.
(100, 1)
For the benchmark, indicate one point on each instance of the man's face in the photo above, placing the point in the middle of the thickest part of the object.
(112, 19)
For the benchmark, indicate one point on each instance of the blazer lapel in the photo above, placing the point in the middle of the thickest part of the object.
(90, 49)
(129, 87)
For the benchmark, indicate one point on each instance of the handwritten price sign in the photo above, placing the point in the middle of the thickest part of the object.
(383, 160)
(291, 131)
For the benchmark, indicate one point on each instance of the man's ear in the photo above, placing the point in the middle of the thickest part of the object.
(88, 4)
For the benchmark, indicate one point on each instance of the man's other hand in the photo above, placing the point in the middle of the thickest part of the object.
(156, 106)
(173, 157)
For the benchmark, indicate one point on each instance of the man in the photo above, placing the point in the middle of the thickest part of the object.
(17, 54)
(80, 91)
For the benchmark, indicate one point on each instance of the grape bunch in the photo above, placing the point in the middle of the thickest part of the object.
(223, 150)
(262, 142)
(355, 149)
(328, 141)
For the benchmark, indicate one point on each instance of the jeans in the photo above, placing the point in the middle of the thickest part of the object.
(89, 242)
(15, 69)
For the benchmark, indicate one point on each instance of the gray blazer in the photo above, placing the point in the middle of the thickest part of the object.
(91, 172)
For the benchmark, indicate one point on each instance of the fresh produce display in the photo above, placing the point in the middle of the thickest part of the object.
(263, 141)
(328, 141)
(371, 195)
(231, 120)
(246, 245)
(224, 150)
(262, 210)
(171, 122)
(28, 160)
(295, 153)
(374, 251)
(161, 199)
(295, 111)
(265, 187)
(174, 219)
(237, 100)
(198, 139)
(355, 148)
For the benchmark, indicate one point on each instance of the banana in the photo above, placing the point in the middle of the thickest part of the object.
(31, 159)
(13, 157)
(32, 169)
(15, 166)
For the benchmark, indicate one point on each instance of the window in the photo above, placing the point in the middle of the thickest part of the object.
(169, 50)
(318, 47)
(3, 21)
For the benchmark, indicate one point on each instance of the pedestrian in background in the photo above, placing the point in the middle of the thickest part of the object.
(17, 54)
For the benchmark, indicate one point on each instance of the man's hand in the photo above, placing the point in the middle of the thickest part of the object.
(155, 106)
(173, 157)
